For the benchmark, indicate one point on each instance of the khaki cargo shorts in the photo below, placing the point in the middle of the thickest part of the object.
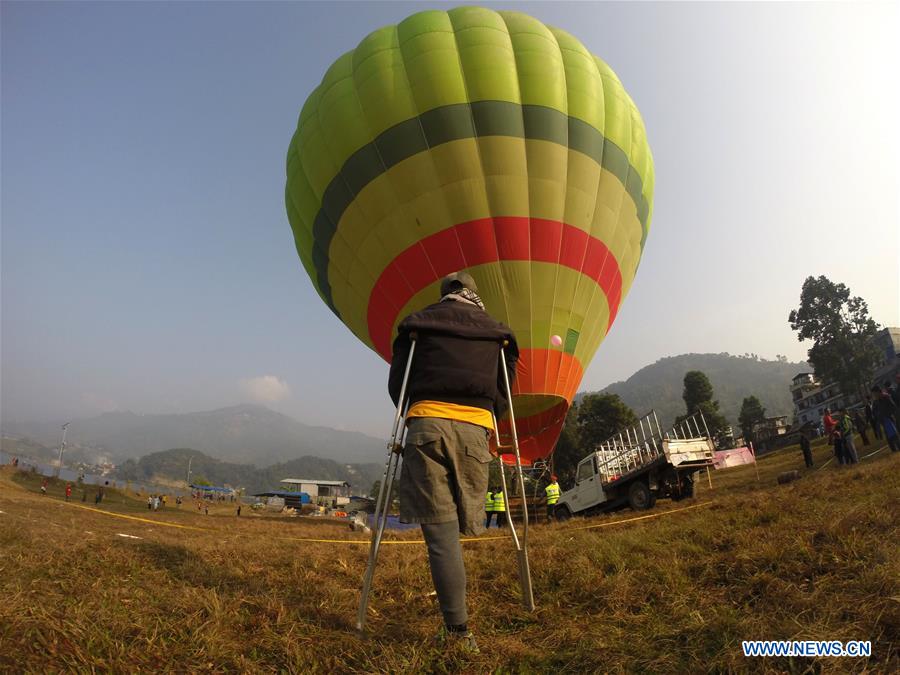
(444, 475)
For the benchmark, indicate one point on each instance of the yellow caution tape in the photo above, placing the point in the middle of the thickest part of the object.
(392, 541)
(481, 539)
(143, 520)
(631, 520)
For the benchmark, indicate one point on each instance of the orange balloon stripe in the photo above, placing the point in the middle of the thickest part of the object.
(483, 241)
(537, 434)
(547, 371)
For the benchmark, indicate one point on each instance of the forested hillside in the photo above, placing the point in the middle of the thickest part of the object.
(172, 465)
(659, 385)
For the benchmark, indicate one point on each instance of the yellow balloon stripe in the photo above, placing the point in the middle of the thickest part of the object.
(435, 190)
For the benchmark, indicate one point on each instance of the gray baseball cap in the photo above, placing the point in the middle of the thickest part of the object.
(457, 280)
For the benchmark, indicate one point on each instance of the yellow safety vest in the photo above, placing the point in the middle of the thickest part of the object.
(489, 502)
(499, 502)
(552, 491)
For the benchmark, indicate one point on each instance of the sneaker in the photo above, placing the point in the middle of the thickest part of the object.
(461, 640)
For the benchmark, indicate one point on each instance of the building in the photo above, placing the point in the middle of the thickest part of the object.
(811, 397)
(887, 341)
(767, 432)
(275, 498)
(334, 492)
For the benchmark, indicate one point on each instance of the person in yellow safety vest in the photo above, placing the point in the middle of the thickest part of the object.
(500, 507)
(489, 508)
(552, 491)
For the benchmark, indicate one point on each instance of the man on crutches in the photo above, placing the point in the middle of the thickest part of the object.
(455, 384)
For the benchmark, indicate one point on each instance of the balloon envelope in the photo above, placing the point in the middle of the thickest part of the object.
(484, 141)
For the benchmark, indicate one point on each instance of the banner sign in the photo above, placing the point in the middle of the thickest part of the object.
(734, 457)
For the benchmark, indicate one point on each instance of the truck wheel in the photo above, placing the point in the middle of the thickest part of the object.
(639, 497)
(562, 513)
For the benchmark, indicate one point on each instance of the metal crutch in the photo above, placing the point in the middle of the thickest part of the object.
(382, 503)
(520, 544)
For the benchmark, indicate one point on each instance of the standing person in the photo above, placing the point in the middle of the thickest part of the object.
(552, 491)
(846, 426)
(68, 491)
(455, 386)
(150, 503)
(500, 507)
(489, 507)
(807, 451)
(834, 435)
(860, 423)
(239, 510)
(886, 414)
(870, 418)
(44, 486)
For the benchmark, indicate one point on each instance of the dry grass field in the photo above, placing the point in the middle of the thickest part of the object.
(672, 593)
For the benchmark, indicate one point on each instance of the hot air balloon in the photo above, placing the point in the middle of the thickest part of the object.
(478, 140)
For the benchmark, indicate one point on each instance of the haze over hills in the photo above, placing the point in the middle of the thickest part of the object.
(255, 435)
(244, 433)
(659, 386)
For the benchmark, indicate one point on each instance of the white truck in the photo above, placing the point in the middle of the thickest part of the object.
(639, 465)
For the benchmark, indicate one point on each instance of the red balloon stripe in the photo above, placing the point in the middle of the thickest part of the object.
(483, 241)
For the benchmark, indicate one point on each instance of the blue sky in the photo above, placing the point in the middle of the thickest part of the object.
(147, 262)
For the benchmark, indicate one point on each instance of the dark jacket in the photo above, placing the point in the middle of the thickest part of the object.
(457, 357)
(883, 407)
(870, 416)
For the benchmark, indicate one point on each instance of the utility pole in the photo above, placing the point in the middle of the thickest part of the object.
(62, 446)
(190, 459)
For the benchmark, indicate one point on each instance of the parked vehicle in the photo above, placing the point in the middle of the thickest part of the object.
(638, 466)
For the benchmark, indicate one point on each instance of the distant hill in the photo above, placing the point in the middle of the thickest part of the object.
(659, 386)
(255, 436)
(244, 433)
(171, 465)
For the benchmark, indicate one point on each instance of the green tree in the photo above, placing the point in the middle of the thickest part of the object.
(841, 330)
(697, 389)
(752, 412)
(376, 486)
(698, 397)
(568, 451)
(599, 416)
(494, 474)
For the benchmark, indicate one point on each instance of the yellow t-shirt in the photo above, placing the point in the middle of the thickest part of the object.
(453, 411)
